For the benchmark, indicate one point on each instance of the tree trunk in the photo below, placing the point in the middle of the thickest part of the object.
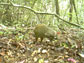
(70, 11)
(57, 8)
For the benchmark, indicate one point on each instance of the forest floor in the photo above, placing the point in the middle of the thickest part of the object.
(68, 48)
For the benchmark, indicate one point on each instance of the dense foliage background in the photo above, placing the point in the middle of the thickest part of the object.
(18, 19)
(13, 14)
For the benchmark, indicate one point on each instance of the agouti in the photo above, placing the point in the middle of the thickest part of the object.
(42, 31)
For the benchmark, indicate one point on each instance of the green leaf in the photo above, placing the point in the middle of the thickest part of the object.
(41, 61)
